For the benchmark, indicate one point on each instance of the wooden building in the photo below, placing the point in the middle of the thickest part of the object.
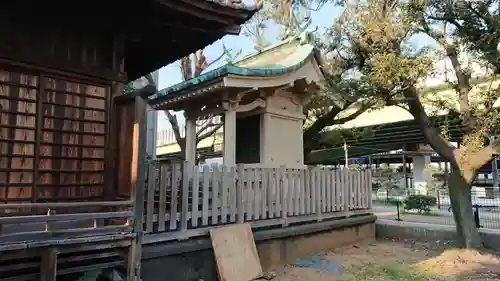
(63, 65)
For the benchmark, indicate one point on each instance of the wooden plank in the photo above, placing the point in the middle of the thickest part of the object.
(205, 195)
(270, 193)
(151, 197)
(336, 180)
(235, 253)
(174, 195)
(224, 193)
(264, 193)
(324, 196)
(248, 193)
(284, 193)
(240, 194)
(328, 183)
(195, 211)
(347, 190)
(313, 190)
(187, 171)
(364, 189)
(232, 194)
(162, 205)
(370, 194)
(307, 189)
(215, 194)
(302, 194)
(48, 266)
(256, 193)
(277, 192)
(290, 192)
(319, 199)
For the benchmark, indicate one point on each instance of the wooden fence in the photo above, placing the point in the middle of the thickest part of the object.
(186, 200)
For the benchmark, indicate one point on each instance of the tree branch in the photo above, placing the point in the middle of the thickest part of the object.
(208, 133)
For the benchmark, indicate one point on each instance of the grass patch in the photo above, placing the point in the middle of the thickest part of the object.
(382, 272)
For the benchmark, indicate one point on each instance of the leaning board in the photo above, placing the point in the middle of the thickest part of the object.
(235, 253)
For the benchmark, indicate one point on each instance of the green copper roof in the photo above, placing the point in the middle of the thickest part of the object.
(276, 60)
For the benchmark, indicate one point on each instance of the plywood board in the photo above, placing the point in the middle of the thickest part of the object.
(235, 253)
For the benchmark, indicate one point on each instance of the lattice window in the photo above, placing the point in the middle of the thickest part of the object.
(52, 138)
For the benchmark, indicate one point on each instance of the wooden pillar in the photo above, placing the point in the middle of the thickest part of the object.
(140, 128)
(190, 138)
(230, 136)
(48, 265)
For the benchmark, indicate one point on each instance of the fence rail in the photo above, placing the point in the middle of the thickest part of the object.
(187, 200)
(31, 224)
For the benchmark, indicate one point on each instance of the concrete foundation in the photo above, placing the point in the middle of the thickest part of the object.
(193, 260)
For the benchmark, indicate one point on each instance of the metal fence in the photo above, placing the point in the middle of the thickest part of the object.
(393, 204)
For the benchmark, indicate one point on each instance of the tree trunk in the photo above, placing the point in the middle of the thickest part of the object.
(461, 202)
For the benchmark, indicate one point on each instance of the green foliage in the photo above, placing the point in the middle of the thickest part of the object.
(419, 202)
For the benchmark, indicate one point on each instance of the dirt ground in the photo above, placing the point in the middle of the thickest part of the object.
(401, 261)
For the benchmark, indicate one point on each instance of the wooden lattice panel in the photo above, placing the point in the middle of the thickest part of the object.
(18, 110)
(52, 130)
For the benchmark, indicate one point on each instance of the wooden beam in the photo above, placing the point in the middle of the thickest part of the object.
(229, 29)
(194, 12)
(225, 11)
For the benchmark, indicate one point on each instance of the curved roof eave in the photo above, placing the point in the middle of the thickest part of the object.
(300, 58)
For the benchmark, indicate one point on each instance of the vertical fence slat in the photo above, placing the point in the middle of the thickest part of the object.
(256, 193)
(162, 205)
(196, 196)
(312, 173)
(205, 195)
(324, 197)
(307, 187)
(284, 193)
(270, 193)
(232, 194)
(277, 192)
(296, 188)
(290, 191)
(187, 171)
(328, 190)
(249, 195)
(302, 191)
(370, 202)
(240, 194)
(363, 189)
(338, 199)
(224, 194)
(345, 190)
(359, 196)
(174, 196)
(319, 194)
(264, 193)
(215, 194)
(150, 203)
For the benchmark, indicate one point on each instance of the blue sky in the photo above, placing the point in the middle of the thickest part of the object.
(324, 18)
(170, 74)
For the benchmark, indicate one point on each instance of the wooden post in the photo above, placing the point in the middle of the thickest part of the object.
(239, 194)
(284, 194)
(48, 265)
(134, 259)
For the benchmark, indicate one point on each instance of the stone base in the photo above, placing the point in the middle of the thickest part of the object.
(194, 261)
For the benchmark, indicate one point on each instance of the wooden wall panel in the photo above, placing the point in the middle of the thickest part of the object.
(52, 138)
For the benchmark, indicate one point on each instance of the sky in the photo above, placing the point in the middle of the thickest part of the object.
(171, 75)
(323, 19)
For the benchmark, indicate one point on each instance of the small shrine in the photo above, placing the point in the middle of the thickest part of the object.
(260, 98)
